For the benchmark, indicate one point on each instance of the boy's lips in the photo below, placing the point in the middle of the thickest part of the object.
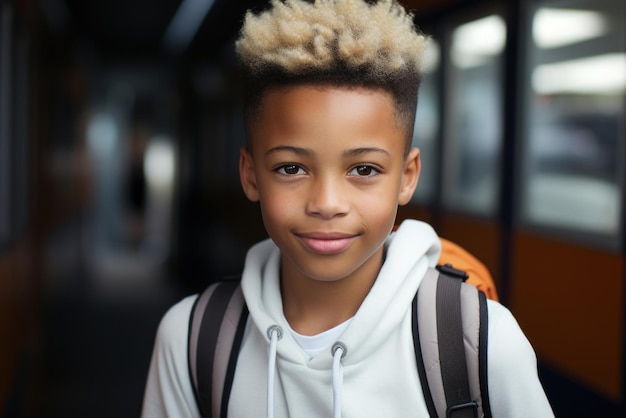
(327, 243)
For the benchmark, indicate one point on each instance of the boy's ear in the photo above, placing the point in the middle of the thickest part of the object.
(410, 176)
(247, 175)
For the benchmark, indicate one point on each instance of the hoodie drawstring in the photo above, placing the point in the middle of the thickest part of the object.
(274, 333)
(339, 351)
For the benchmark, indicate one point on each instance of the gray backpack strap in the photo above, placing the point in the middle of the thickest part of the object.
(218, 319)
(450, 336)
(217, 323)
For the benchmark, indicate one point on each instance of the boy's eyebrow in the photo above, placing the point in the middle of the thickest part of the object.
(358, 151)
(289, 148)
(307, 152)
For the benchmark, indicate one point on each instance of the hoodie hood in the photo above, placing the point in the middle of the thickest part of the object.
(409, 252)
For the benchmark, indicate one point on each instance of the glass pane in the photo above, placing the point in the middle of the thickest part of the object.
(574, 151)
(426, 129)
(474, 116)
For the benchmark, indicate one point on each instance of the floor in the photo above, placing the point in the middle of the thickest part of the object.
(98, 320)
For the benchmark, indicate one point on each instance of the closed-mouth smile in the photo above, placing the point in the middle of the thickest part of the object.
(326, 243)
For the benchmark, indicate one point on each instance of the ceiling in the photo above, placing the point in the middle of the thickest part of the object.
(136, 28)
(124, 41)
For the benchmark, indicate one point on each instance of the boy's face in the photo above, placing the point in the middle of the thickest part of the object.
(329, 168)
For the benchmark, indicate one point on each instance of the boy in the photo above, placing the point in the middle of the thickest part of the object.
(330, 99)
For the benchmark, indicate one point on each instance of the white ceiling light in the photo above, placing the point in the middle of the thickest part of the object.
(160, 164)
(598, 74)
(553, 28)
(476, 41)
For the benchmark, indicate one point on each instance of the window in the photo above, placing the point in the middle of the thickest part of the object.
(474, 116)
(574, 150)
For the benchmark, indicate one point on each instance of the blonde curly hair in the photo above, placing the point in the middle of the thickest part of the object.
(358, 43)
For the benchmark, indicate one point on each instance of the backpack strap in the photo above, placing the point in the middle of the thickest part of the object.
(451, 365)
(219, 340)
(450, 339)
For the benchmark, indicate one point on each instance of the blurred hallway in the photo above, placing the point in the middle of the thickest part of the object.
(98, 322)
(120, 192)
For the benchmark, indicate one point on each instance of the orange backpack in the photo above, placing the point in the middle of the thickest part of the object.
(460, 259)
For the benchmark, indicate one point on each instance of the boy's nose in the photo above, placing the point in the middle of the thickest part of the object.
(327, 199)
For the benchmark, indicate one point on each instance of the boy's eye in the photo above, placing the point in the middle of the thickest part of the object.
(364, 171)
(290, 170)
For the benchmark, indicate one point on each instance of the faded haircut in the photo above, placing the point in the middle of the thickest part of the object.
(344, 43)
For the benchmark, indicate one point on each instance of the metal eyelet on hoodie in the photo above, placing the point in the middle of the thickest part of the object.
(339, 351)
(274, 333)
(339, 346)
(277, 329)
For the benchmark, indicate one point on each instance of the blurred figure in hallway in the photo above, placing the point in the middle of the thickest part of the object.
(135, 192)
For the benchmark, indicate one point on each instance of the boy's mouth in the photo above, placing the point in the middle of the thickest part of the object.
(326, 243)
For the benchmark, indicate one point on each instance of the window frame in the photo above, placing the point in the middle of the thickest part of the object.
(6, 122)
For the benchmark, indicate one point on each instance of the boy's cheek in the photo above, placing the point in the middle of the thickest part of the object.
(278, 206)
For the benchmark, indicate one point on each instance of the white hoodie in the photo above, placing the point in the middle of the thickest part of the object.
(377, 376)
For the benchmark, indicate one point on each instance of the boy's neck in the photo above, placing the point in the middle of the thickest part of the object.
(313, 306)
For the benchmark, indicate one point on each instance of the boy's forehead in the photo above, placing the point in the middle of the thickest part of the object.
(298, 102)
(321, 112)
(319, 97)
